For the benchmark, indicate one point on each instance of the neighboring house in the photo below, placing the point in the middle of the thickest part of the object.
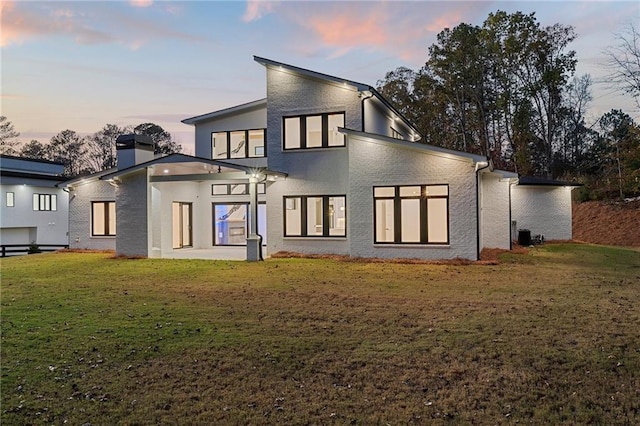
(321, 165)
(33, 209)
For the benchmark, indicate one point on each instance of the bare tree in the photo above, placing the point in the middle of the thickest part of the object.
(623, 62)
(8, 137)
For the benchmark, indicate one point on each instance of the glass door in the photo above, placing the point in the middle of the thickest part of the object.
(182, 229)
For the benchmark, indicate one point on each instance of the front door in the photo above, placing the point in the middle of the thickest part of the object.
(182, 236)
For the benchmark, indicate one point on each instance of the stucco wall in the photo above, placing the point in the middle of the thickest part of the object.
(494, 212)
(254, 119)
(372, 164)
(22, 225)
(80, 215)
(131, 215)
(543, 210)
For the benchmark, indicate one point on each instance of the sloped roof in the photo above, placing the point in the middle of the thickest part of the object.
(249, 106)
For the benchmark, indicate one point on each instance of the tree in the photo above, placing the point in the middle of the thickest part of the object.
(101, 147)
(35, 150)
(67, 147)
(8, 135)
(622, 135)
(164, 143)
(623, 62)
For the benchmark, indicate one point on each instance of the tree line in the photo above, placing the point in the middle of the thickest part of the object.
(82, 155)
(507, 89)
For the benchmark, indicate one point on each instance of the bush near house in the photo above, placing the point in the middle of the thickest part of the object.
(545, 338)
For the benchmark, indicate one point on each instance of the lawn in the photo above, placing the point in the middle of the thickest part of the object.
(552, 336)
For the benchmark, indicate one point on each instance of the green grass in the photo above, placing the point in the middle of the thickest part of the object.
(548, 337)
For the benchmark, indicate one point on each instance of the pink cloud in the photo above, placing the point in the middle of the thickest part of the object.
(256, 9)
(141, 3)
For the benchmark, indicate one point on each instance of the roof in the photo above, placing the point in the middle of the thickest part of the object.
(414, 145)
(361, 87)
(87, 178)
(31, 166)
(249, 106)
(538, 181)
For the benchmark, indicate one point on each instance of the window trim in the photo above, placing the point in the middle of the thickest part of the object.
(107, 231)
(326, 233)
(324, 117)
(262, 189)
(424, 214)
(45, 202)
(10, 201)
(246, 144)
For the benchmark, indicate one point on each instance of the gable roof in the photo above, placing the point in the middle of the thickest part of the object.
(249, 106)
(360, 87)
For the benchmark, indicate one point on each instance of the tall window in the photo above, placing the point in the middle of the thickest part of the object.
(11, 199)
(45, 202)
(313, 131)
(103, 218)
(238, 144)
(411, 214)
(315, 216)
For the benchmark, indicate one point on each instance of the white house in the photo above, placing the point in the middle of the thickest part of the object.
(321, 165)
(32, 209)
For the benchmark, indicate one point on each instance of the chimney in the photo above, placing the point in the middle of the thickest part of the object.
(133, 149)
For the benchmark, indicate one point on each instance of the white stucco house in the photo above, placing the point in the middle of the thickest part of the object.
(33, 209)
(321, 165)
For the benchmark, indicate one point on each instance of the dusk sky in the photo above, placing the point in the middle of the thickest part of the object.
(81, 65)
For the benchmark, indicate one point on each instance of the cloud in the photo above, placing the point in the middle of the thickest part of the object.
(256, 9)
(140, 3)
(85, 23)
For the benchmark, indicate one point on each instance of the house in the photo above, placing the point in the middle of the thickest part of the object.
(321, 165)
(32, 209)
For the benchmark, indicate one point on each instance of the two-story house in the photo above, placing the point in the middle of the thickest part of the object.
(321, 165)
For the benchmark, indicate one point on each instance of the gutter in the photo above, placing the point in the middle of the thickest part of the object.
(478, 206)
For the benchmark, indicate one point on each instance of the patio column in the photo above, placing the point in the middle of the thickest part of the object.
(253, 240)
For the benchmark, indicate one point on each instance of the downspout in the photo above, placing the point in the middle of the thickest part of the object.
(260, 238)
(478, 207)
(364, 99)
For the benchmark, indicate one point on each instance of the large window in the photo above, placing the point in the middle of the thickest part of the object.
(103, 218)
(411, 214)
(45, 202)
(315, 216)
(238, 144)
(313, 131)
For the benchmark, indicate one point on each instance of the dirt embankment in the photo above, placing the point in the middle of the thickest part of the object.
(610, 223)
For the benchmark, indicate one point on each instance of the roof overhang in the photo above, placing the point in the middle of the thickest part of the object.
(537, 181)
(238, 109)
(422, 147)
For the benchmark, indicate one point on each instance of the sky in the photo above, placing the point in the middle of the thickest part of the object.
(79, 65)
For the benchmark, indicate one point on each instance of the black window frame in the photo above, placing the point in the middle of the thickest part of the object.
(303, 216)
(262, 189)
(246, 145)
(42, 202)
(107, 231)
(397, 214)
(303, 130)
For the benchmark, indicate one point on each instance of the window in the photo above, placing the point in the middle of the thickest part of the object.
(315, 216)
(313, 131)
(11, 199)
(45, 202)
(103, 218)
(416, 214)
(225, 145)
(235, 189)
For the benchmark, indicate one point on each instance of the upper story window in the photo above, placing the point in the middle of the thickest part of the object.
(411, 214)
(235, 189)
(238, 144)
(45, 202)
(313, 131)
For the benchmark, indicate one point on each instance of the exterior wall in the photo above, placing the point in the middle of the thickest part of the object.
(378, 121)
(22, 225)
(131, 215)
(372, 164)
(543, 210)
(323, 171)
(494, 212)
(256, 119)
(80, 215)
